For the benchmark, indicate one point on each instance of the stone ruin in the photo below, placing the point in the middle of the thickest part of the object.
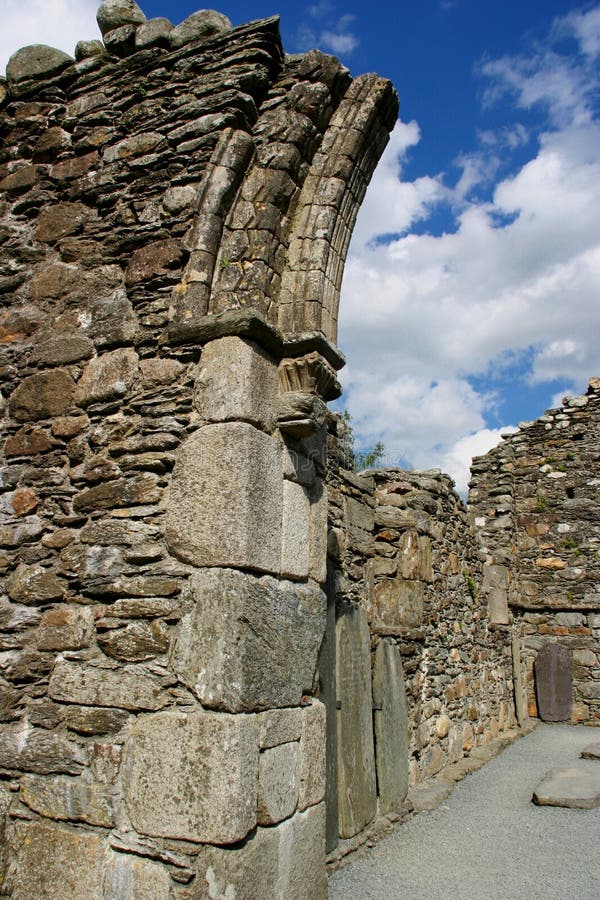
(224, 653)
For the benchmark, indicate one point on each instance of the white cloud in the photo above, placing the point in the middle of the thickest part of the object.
(339, 42)
(57, 23)
(457, 460)
(511, 291)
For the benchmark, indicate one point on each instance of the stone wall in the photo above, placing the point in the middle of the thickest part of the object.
(176, 208)
(534, 501)
(415, 643)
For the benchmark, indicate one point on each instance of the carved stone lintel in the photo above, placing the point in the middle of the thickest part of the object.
(300, 414)
(310, 374)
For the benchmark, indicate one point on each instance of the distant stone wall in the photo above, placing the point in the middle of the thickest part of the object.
(535, 505)
(407, 567)
(175, 212)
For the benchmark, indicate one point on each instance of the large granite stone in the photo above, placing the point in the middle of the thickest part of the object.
(285, 861)
(313, 761)
(106, 377)
(356, 753)
(554, 683)
(52, 861)
(295, 531)
(73, 799)
(192, 776)
(40, 751)
(278, 783)
(133, 876)
(391, 726)
(237, 381)
(592, 751)
(576, 787)
(36, 61)
(250, 642)
(200, 25)
(116, 13)
(495, 586)
(225, 504)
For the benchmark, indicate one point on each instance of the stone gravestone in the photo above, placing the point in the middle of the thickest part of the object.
(357, 797)
(554, 683)
(391, 727)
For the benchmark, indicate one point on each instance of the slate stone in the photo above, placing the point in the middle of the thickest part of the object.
(106, 377)
(391, 726)
(250, 642)
(173, 780)
(519, 687)
(397, 605)
(576, 787)
(153, 33)
(553, 668)
(36, 61)
(73, 682)
(42, 395)
(592, 751)
(72, 799)
(245, 323)
(39, 751)
(355, 748)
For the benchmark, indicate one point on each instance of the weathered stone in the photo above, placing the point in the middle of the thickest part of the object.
(244, 323)
(73, 862)
(312, 755)
(317, 568)
(278, 783)
(199, 26)
(160, 371)
(42, 395)
(279, 726)
(495, 585)
(120, 492)
(225, 503)
(177, 199)
(250, 642)
(87, 49)
(274, 858)
(73, 799)
(237, 381)
(397, 604)
(120, 41)
(356, 755)
(34, 585)
(36, 750)
(56, 221)
(65, 628)
(154, 259)
(94, 720)
(36, 61)
(114, 13)
(518, 682)
(173, 776)
(135, 642)
(554, 683)
(300, 414)
(24, 501)
(134, 876)
(110, 375)
(72, 682)
(27, 442)
(576, 787)
(153, 33)
(295, 531)
(592, 751)
(391, 727)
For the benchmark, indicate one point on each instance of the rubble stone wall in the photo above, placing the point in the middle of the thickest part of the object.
(175, 212)
(407, 560)
(534, 501)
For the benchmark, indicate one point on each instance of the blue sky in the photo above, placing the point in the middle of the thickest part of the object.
(470, 300)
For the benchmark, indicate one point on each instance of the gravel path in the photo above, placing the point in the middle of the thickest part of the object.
(488, 841)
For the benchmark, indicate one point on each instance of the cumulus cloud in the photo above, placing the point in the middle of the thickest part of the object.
(334, 34)
(511, 292)
(58, 23)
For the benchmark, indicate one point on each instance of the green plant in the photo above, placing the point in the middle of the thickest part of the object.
(541, 503)
(570, 544)
(471, 585)
(363, 459)
(225, 263)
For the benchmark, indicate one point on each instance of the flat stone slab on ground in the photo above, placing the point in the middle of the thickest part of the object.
(576, 787)
(429, 795)
(592, 751)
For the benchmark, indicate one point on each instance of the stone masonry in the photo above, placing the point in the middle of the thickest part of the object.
(221, 650)
(175, 212)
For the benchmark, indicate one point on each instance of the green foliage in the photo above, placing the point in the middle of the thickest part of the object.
(363, 459)
(471, 584)
(541, 504)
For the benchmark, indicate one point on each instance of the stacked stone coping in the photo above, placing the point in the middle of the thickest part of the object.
(534, 504)
(123, 178)
(405, 553)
